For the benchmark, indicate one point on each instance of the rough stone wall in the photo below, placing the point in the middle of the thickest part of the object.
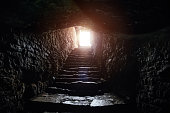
(138, 67)
(28, 62)
(154, 67)
(119, 63)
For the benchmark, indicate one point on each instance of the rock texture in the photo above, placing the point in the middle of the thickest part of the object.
(138, 68)
(153, 57)
(28, 62)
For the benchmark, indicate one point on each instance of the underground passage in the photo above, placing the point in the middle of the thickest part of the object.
(79, 56)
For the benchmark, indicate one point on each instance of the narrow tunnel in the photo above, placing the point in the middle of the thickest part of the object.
(80, 56)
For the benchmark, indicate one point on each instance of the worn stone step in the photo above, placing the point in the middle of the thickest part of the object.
(65, 103)
(77, 63)
(77, 79)
(78, 60)
(78, 75)
(78, 72)
(82, 53)
(82, 69)
(80, 56)
(80, 65)
(79, 85)
(83, 59)
(93, 75)
(55, 90)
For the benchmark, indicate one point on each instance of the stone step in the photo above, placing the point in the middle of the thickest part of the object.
(106, 103)
(55, 90)
(85, 79)
(77, 75)
(78, 59)
(79, 56)
(80, 53)
(77, 63)
(81, 92)
(78, 85)
(81, 59)
(78, 72)
(82, 69)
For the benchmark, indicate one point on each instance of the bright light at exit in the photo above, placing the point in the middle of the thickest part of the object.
(84, 38)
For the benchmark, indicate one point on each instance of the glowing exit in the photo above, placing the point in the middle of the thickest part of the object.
(85, 38)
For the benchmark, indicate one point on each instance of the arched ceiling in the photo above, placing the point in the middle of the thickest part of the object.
(127, 16)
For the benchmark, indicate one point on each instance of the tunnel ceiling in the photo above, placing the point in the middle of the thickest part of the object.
(129, 16)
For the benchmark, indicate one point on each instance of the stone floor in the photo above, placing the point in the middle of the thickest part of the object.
(92, 101)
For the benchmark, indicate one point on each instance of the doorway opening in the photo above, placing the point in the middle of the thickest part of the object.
(84, 37)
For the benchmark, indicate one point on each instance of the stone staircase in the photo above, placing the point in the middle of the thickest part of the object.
(78, 88)
(79, 76)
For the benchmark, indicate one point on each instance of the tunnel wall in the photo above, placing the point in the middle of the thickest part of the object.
(28, 61)
(153, 86)
(119, 63)
(138, 68)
